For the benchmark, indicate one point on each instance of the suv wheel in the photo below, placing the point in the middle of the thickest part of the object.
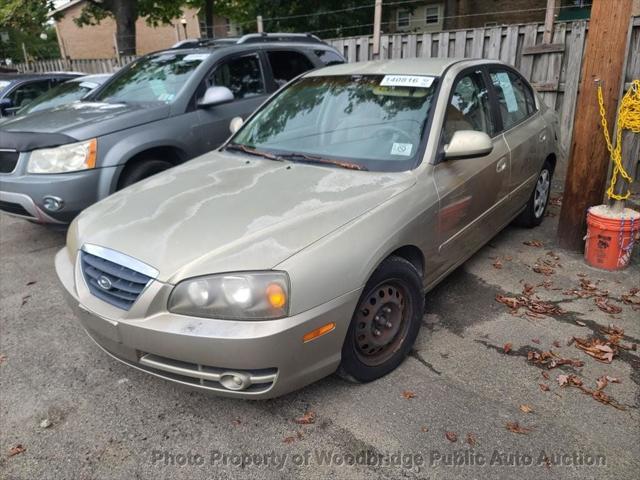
(140, 170)
(385, 323)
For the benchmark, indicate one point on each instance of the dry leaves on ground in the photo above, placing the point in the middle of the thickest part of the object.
(451, 436)
(515, 427)
(632, 298)
(533, 243)
(551, 360)
(543, 387)
(471, 439)
(604, 350)
(587, 289)
(524, 408)
(497, 264)
(292, 438)
(424, 428)
(535, 307)
(597, 394)
(306, 419)
(2, 359)
(506, 348)
(16, 450)
(604, 305)
(408, 394)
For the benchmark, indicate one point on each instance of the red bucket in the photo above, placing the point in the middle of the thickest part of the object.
(610, 237)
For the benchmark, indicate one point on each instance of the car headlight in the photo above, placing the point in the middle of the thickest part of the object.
(65, 158)
(233, 296)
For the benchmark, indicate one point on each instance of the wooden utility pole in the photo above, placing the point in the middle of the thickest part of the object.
(549, 17)
(377, 21)
(589, 159)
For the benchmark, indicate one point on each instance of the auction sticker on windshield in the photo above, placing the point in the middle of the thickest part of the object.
(406, 81)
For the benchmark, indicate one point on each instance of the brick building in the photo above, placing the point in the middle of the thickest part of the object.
(98, 41)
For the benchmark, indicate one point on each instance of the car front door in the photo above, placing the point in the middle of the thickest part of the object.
(472, 191)
(244, 76)
(524, 131)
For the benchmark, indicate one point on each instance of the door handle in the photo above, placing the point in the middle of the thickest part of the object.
(501, 165)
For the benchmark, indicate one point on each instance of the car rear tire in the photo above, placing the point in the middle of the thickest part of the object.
(385, 323)
(536, 207)
(140, 170)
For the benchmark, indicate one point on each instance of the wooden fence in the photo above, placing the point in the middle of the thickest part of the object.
(96, 65)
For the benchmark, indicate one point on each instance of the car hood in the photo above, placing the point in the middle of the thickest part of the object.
(227, 212)
(83, 120)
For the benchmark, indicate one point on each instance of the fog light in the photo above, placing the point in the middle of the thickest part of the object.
(53, 204)
(235, 380)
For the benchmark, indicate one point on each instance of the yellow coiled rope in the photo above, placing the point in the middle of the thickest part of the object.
(628, 119)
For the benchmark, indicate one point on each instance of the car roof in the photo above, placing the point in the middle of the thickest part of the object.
(405, 66)
(35, 76)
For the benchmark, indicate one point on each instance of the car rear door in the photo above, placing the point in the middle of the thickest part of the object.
(472, 191)
(244, 75)
(524, 130)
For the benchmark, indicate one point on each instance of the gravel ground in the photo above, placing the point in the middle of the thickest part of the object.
(79, 414)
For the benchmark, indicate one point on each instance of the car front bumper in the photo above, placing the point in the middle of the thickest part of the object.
(23, 195)
(269, 357)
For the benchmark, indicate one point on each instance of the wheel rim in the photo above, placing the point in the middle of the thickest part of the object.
(381, 322)
(541, 193)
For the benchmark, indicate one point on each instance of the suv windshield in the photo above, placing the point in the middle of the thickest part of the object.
(369, 120)
(157, 78)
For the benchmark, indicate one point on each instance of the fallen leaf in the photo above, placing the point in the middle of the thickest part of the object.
(424, 428)
(497, 264)
(612, 379)
(471, 439)
(306, 419)
(536, 341)
(632, 298)
(25, 299)
(602, 382)
(289, 440)
(507, 347)
(16, 450)
(604, 305)
(407, 394)
(543, 387)
(2, 359)
(533, 243)
(562, 379)
(556, 344)
(524, 408)
(236, 421)
(545, 375)
(451, 436)
(515, 427)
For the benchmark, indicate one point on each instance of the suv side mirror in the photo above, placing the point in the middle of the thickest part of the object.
(215, 96)
(468, 144)
(235, 124)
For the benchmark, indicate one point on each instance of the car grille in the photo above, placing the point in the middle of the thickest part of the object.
(117, 285)
(8, 160)
(14, 208)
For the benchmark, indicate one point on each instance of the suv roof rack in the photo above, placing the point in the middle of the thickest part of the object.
(249, 38)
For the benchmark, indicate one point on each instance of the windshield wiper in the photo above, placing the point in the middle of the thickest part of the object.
(252, 151)
(303, 157)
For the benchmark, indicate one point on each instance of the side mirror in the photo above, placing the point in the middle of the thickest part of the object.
(468, 144)
(215, 96)
(5, 105)
(235, 124)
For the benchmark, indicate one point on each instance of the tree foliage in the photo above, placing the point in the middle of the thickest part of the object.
(353, 17)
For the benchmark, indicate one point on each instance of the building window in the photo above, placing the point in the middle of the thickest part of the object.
(404, 18)
(432, 15)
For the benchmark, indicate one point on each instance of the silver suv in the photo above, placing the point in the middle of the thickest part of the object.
(161, 110)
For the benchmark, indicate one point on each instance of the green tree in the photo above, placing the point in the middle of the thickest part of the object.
(326, 18)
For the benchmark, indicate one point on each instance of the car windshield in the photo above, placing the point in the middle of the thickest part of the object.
(64, 93)
(157, 78)
(374, 122)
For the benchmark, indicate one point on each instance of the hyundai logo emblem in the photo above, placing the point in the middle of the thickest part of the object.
(104, 282)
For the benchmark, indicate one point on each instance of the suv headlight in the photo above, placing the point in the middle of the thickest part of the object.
(233, 296)
(65, 158)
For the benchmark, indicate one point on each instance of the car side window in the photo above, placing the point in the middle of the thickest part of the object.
(329, 57)
(515, 99)
(469, 107)
(241, 75)
(28, 92)
(286, 65)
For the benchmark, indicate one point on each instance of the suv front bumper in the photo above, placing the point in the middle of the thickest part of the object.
(269, 357)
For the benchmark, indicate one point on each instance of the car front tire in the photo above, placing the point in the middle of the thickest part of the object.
(385, 323)
(141, 170)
